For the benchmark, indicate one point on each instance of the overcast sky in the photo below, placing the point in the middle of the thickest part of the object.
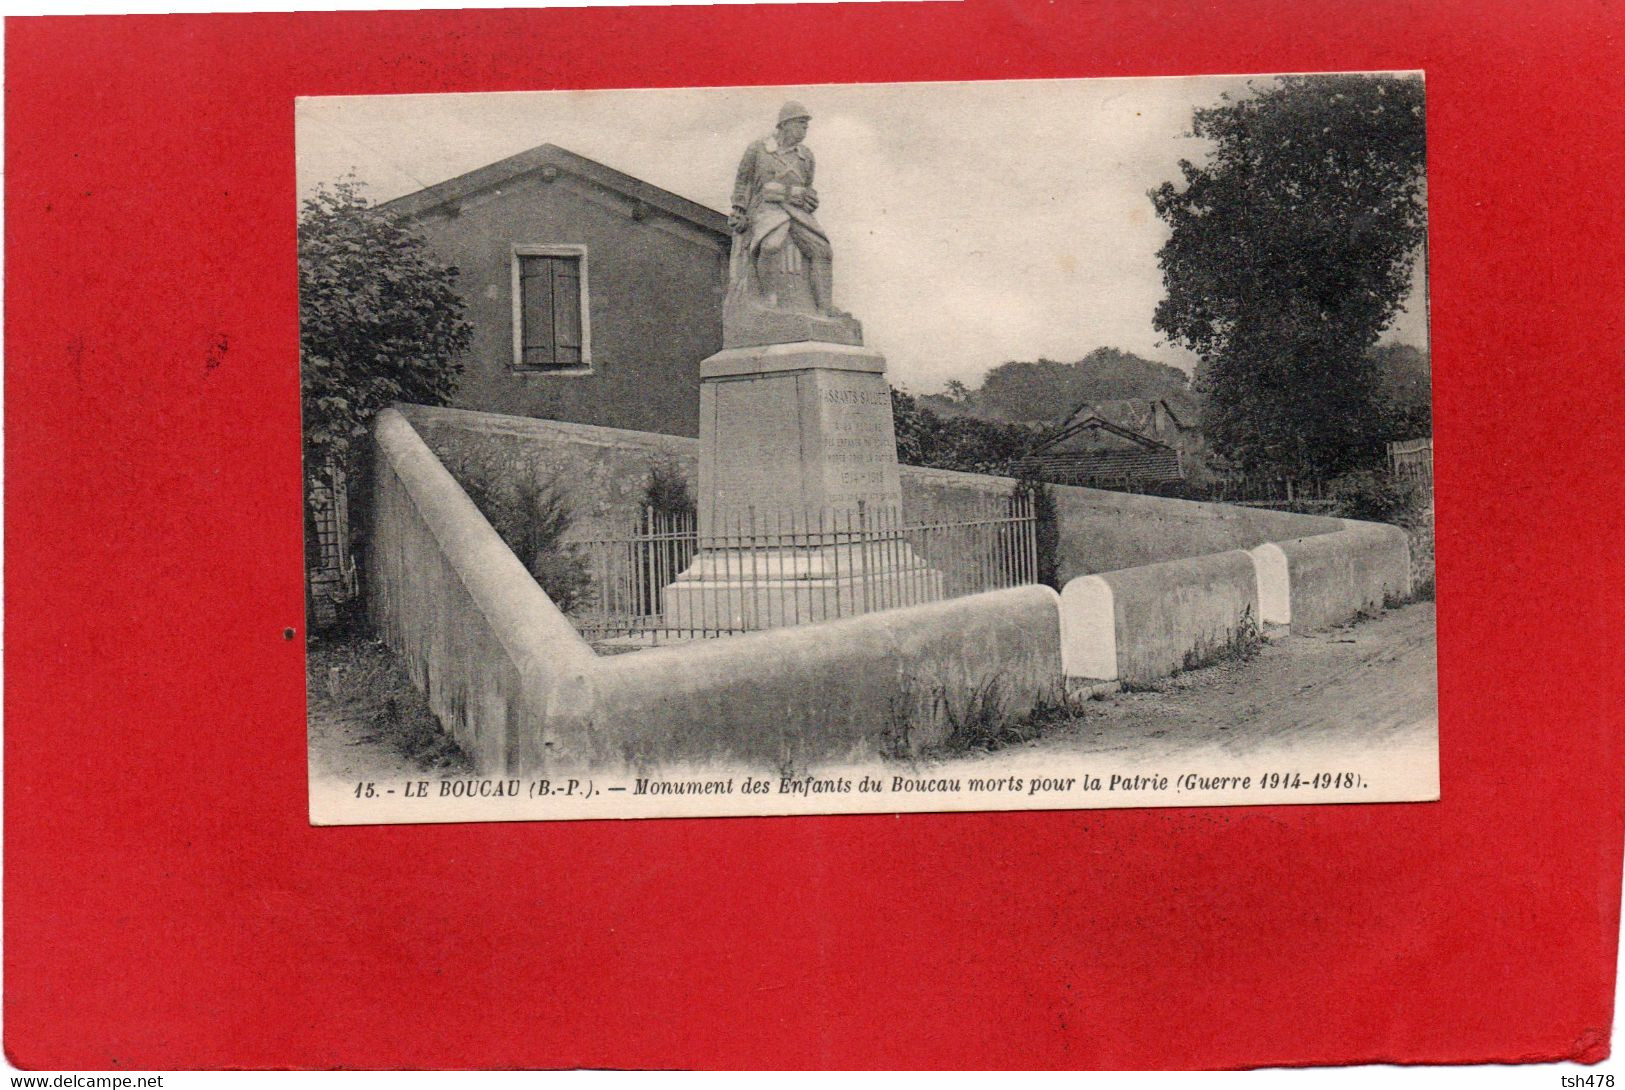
(973, 223)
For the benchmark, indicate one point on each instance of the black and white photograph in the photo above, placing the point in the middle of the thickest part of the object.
(1035, 444)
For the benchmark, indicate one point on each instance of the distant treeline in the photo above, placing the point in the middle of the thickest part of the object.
(1043, 391)
(986, 428)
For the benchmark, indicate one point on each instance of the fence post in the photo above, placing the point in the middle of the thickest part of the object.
(835, 554)
(751, 617)
(862, 571)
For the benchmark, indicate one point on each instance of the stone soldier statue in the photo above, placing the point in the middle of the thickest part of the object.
(781, 256)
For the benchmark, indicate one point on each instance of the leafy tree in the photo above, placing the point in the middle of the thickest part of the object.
(1406, 389)
(1291, 250)
(379, 321)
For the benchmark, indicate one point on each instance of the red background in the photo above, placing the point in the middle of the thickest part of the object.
(167, 905)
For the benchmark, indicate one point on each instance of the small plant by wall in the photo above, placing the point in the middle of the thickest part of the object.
(899, 741)
(1241, 644)
(532, 519)
(665, 489)
(355, 679)
(1047, 528)
(928, 721)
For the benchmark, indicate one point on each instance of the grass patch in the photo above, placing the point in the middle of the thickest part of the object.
(934, 723)
(355, 677)
(1242, 644)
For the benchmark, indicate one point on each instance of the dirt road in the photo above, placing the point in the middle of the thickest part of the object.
(1367, 685)
(343, 746)
(365, 719)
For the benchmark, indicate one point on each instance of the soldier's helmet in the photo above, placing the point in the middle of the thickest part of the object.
(792, 111)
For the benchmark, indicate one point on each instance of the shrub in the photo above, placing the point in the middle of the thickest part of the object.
(1379, 497)
(532, 519)
(1047, 529)
(1373, 495)
(1421, 539)
(665, 489)
(665, 497)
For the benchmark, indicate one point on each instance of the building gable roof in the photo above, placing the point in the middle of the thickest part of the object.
(1094, 422)
(551, 155)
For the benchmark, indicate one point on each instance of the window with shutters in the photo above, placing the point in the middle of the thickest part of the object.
(550, 328)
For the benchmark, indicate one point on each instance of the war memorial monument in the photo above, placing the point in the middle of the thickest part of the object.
(799, 497)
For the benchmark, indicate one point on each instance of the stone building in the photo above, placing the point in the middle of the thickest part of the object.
(593, 295)
(1135, 443)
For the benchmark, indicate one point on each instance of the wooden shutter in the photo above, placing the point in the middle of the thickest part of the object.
(550, 310)
(566, 311)
(536, 315)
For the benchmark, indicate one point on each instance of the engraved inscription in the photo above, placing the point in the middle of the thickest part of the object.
(857, 397)
(860, 448)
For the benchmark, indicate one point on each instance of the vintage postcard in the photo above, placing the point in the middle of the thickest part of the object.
(867, 448)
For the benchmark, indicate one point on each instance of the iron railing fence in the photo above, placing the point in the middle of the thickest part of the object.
(661, 579)
(1286, 493)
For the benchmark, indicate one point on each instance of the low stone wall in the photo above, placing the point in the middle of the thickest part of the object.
(605, 469)
(520, 691)
(1153, 586)
(841, 690)
(1312, 583)
(1153, 620)
(1107, 531)
(477, 634)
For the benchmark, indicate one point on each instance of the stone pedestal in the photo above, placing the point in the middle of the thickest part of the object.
(800, 506)
(746, 325)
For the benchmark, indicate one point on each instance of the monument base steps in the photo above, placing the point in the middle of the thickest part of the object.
(746, 604)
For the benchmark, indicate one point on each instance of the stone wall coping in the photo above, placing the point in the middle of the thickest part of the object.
(796, 356)
(537, 428)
